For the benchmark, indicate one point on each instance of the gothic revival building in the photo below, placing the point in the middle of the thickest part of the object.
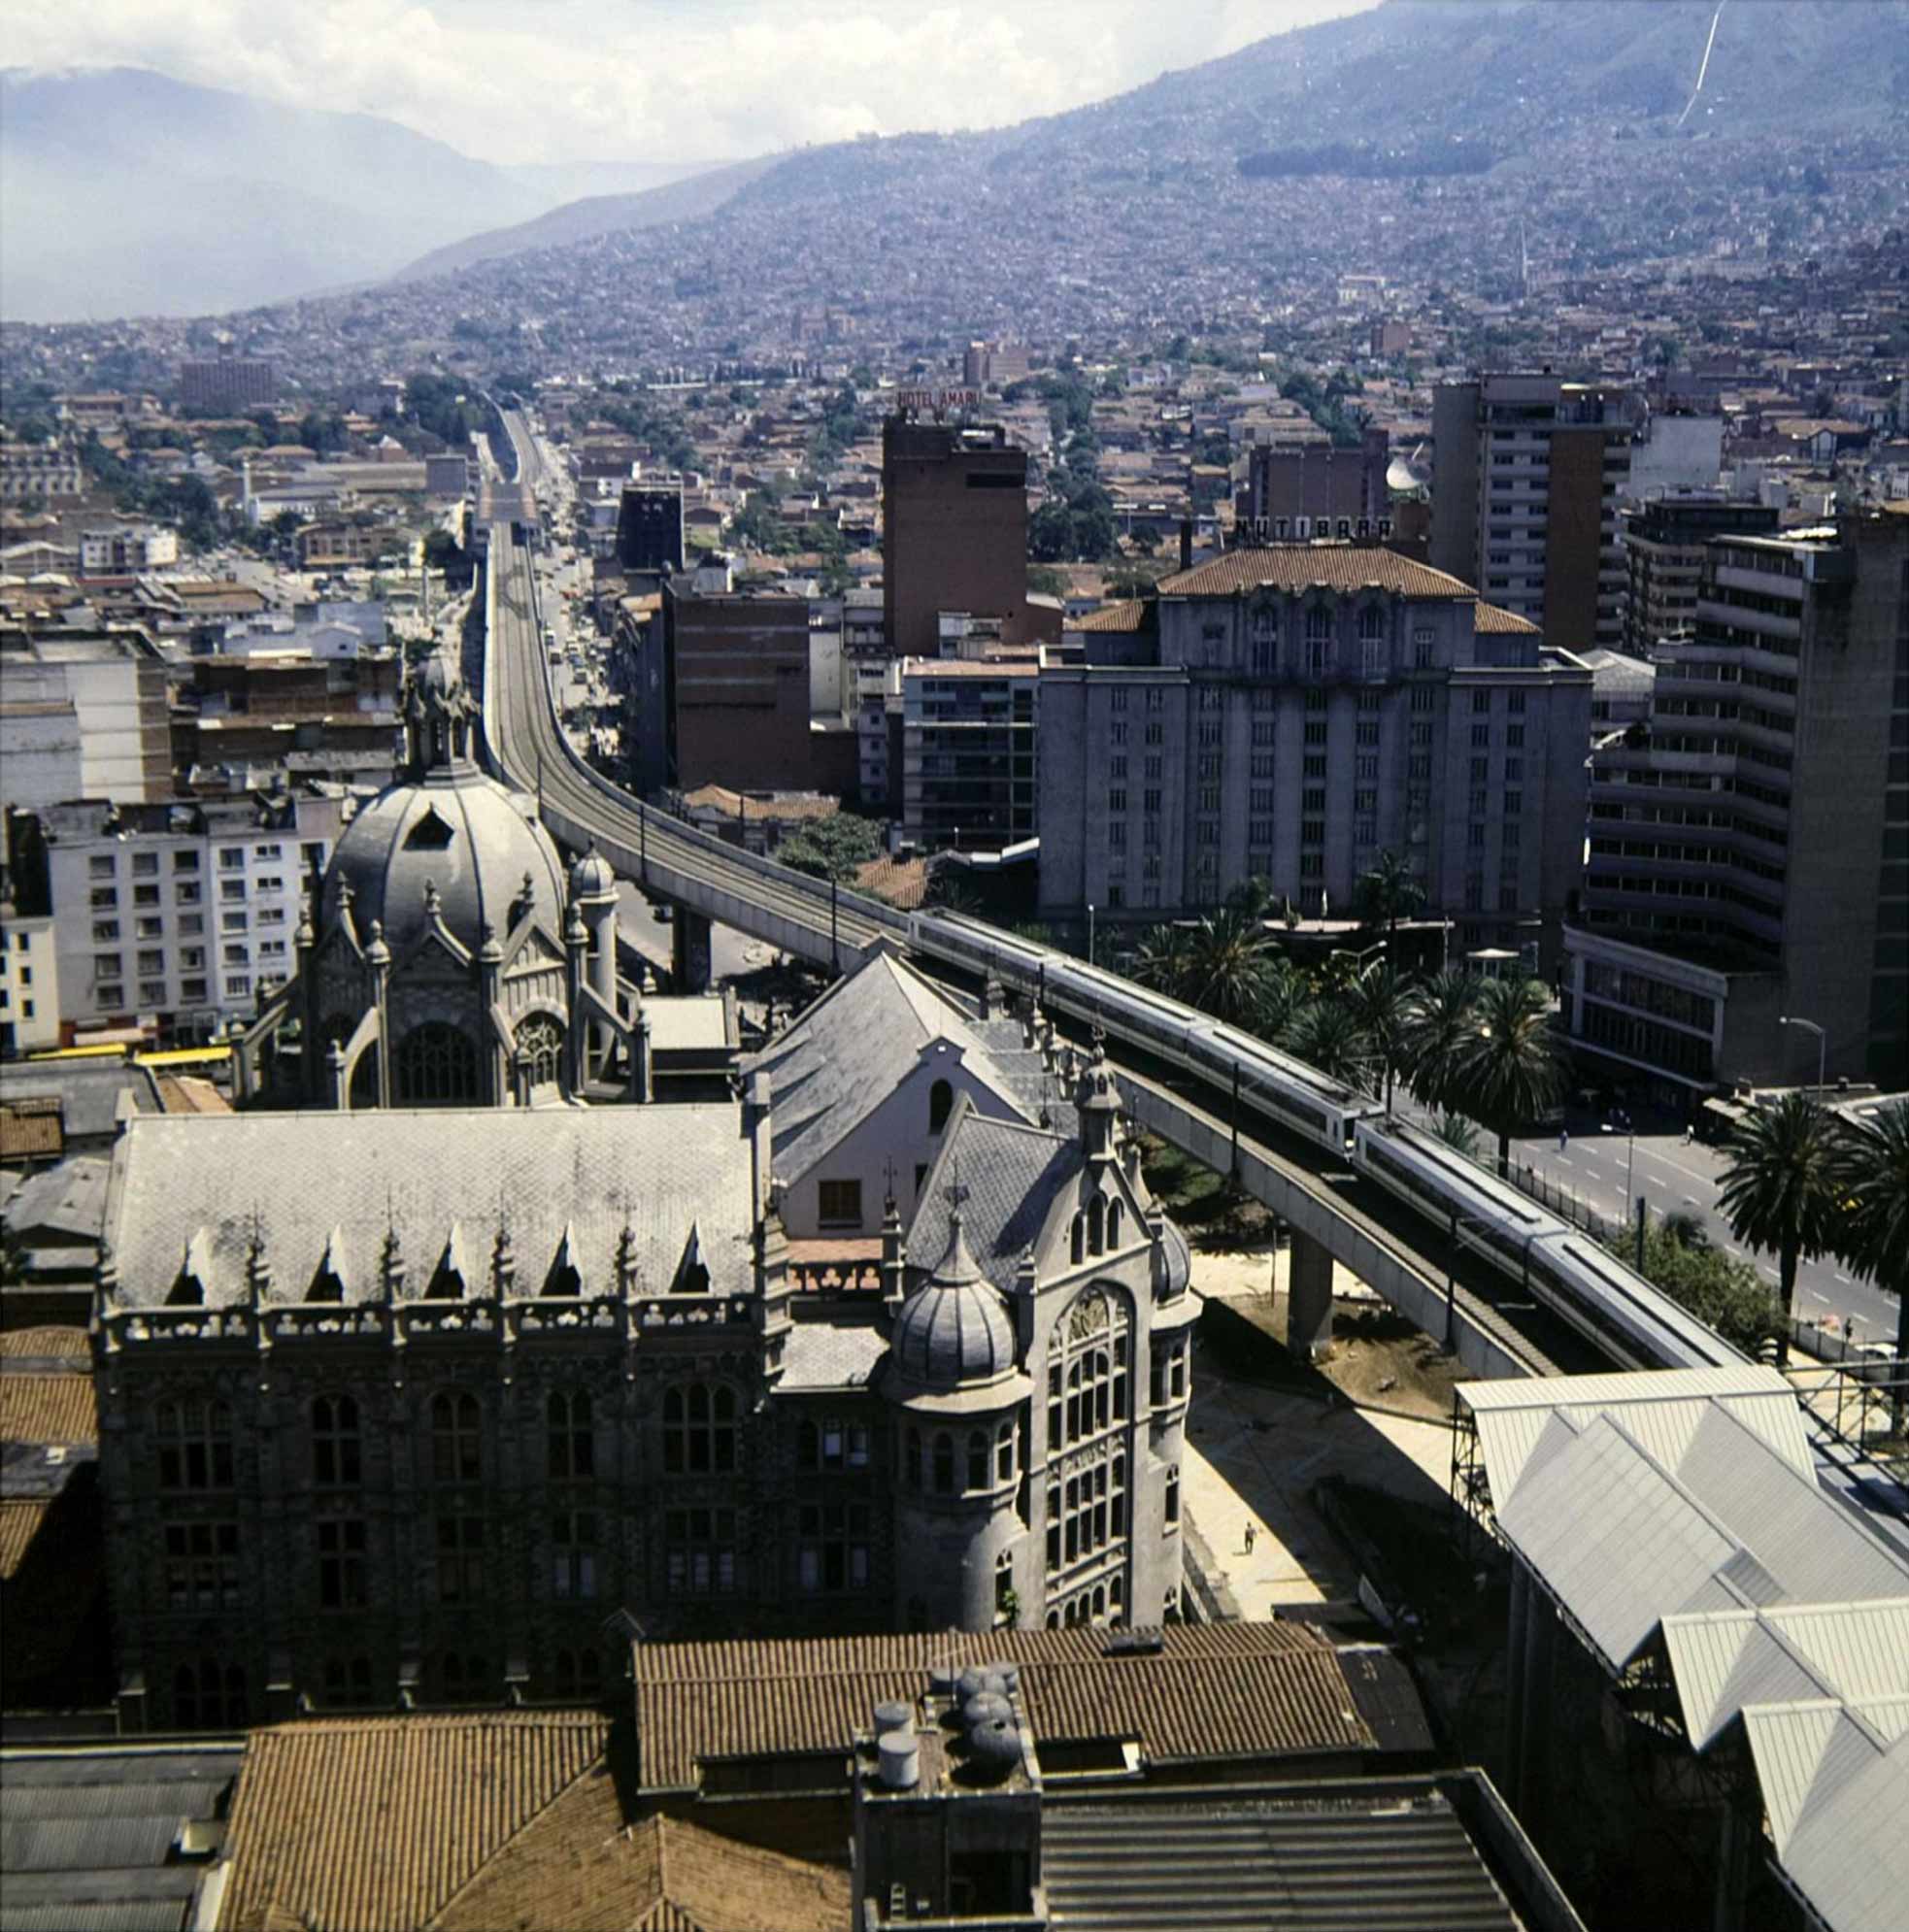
(450, 960)
(417, 1428)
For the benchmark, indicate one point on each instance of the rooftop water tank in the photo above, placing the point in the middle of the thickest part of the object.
(901, 1760)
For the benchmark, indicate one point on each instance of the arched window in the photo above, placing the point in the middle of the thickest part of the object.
(209, 1696)
(1173, 1495)
(1319, 639)
(457, 1438)
(1085, 1348)
(977, 1459)
(913, 1458)
(1265, 641)
(1096, 1228)
(699, 1430)
(572, 1440)
(336, 1445)
(940, 1103)
(1004, 1452)
(1372, 640)
(1113, 1227)
(540, 1040)
(944, 1463)
(436, 1066)
(1078, 1246)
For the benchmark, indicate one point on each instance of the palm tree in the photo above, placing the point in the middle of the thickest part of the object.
(1283, 991)
(1458, 1134)
(1326, 1035)
(1509, 1069)
(1438, 1028)
(1381, 1001)
(1159, 960)
(1873, 1184)
(1224, 967)
(1387, 893)
(1780, 1188)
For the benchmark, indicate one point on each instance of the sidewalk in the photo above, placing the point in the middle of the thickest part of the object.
(1253, 1453)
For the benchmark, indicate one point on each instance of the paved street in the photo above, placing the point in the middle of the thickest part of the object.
(1680, 1178)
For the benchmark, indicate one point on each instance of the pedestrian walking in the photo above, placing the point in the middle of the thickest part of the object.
(1251, 1533)
(1563, 1139)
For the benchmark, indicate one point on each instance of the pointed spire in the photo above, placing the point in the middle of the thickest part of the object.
(503, 1258)
(627, 1271)
(106, 1277)
(375, 951)
(259, 1265)
(390, 1259)
(433, 900)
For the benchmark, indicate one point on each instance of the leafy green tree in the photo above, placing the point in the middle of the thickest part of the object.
(1728, 1294)
(1780, 1188)
(1508, 1070)
(1872, 1183)
(1223, 968)
(834, 848)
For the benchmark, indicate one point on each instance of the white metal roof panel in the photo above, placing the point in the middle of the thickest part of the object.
(1849, 1854)
(1614, 1537)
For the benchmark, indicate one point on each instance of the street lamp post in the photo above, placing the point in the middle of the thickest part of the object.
(1821, 1043)
(1089, 932)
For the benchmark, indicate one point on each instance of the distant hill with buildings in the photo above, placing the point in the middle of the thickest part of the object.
(685, 199)
(125, 193)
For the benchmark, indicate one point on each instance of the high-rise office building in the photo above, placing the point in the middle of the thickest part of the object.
(953, 532)
(1664, 550)
(1290, 714)
(1749, 858)
(650, 527)
(1526, 476)
(228, 381)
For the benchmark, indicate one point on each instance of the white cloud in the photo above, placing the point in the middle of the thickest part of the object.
(656, 80)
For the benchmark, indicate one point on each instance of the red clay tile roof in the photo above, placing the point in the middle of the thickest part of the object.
(41, 1407)
(1300, 566)
(360, 1825)
(1494, 617)
(48, 1341)
(1128, 615)
(31, 1127)
(1242, 1689)
(21, 1517)
(577, 1866)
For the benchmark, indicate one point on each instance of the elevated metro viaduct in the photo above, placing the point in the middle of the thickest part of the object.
(1442, 1285)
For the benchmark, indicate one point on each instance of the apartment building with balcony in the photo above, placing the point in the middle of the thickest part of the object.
(1288, 713)
(1526, 474)
(1663, 551)
(172, 919)
(970, 728)
(1749, 852)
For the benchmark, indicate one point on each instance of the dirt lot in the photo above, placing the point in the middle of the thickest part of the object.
(1378, 1358)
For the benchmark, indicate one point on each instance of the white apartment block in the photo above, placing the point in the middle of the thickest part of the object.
(174, 919)
(30, 983)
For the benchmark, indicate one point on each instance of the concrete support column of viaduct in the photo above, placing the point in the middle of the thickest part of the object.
(1309, 1298)
(690, 965)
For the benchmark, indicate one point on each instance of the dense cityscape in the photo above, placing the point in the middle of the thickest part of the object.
(997, 1029)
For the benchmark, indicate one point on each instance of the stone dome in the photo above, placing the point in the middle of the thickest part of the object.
(953, 1328)
(592, 876)
(457, 830)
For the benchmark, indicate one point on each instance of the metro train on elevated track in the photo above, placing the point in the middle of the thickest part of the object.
(1559, 1265)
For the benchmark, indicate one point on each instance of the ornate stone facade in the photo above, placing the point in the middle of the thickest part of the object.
(437, 1423)
(449, 960)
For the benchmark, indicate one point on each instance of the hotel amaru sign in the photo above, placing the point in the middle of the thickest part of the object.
(937, 403)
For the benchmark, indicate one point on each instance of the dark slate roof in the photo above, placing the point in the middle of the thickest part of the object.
(661, 1171)
(844, 1056)
(953, 1328)
(1380, 1862)
(463, 832)
(85, 1835)
(88, 1091)
(1012, 1176)
(830, 1354)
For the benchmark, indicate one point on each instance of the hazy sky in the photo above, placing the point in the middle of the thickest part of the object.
(656, 80)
